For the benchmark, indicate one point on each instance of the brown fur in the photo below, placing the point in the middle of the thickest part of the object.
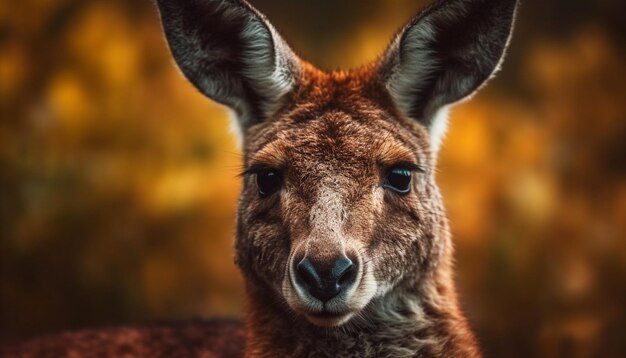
(342, 124)
(209, 339)
(333, 138)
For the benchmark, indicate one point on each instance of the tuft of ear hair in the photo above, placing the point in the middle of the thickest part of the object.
(445, 54)
(231, 53)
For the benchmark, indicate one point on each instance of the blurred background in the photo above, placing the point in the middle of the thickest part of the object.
(118, 181)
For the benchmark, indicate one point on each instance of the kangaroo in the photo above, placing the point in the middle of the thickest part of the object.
(342, 237)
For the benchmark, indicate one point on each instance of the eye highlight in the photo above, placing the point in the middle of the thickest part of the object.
(398, 178)
(268, 181)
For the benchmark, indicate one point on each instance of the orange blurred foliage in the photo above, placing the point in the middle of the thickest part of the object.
(118, 180)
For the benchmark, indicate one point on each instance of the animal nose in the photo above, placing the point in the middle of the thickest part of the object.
(325, 281)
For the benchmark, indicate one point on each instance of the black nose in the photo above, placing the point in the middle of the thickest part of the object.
(325, 281)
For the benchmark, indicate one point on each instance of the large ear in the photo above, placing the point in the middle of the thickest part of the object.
(231, 53)
(444, 55)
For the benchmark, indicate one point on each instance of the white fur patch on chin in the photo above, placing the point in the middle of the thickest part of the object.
(329, 322)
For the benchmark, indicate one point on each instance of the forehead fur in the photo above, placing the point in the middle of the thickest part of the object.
(338, 118)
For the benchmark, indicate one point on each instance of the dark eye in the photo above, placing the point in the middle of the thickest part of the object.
(398, 180)
(268, 181)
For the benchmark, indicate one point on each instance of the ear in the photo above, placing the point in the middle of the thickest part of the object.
(445, 54)
(231, 53)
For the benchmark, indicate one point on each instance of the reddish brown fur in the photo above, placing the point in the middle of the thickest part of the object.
(332, 139)
(338, 123)
(343, 123)
(203, 339)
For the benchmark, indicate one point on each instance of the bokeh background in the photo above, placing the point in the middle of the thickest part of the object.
(118, 181)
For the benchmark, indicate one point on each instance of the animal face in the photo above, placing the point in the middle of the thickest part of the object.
(339, 205)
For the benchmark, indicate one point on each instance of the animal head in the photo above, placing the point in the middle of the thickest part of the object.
(339, 204)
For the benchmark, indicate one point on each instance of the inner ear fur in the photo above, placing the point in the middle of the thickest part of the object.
(231, 53)
(445, 54)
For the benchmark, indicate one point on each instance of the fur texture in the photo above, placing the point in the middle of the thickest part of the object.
(331, 141)
(211, 339)
(335, 137)
(445, 54)
(231, 54)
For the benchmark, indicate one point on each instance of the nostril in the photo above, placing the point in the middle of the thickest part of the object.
(348, 276)
(308, 274)
(344, 272)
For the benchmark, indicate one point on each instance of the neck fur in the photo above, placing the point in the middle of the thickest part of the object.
(416, 318)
